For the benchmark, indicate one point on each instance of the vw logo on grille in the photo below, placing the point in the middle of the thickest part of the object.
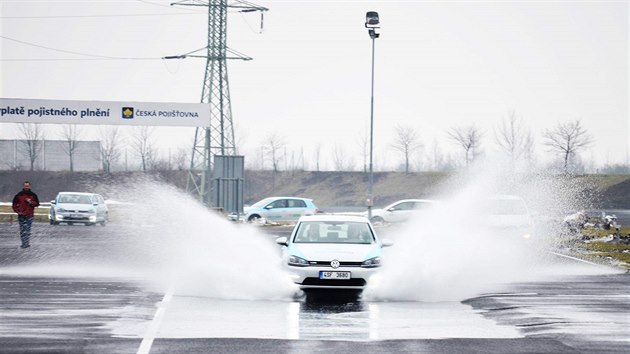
(334, 263)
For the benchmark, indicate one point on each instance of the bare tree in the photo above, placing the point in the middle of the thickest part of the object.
(33, 141)
(318, 152)
(514, 138)
(293, 161)
(339, 158)
(110, 151)
(70, 134)
(406, 142)
(436, 158)
(181, 159)
(142, 145)
(364, 146)
(567, 139)
(469, 139)
(272, 148)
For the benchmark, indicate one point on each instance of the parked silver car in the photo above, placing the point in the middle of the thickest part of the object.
(400, 211)
(76, 207)
(279, 209)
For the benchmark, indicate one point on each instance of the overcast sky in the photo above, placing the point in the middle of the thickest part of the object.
(439, 65)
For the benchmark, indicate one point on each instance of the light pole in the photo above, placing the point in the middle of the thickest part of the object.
(371, 23)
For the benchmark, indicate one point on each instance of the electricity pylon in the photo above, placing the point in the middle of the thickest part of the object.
(218, 138)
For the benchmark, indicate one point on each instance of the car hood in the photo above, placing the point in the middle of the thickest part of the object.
(341, 252)
(74, 206)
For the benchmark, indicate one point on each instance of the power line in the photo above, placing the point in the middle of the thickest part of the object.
(96, 16)
(101, 57)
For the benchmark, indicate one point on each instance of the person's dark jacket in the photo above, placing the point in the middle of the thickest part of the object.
(25, 202)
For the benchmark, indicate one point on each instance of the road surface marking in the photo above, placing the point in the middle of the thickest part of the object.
(147, 341)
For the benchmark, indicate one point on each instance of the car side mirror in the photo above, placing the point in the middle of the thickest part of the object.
(95, 203)
(269, 207)
(282, 241)
(53, 202)
(387, 242)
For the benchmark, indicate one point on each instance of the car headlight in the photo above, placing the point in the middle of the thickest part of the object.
(297, 261)
(61, 210)
(372, 263)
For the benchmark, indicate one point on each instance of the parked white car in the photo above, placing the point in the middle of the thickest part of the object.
(332, 252)
(279, 209)
(76, 207)
(400, 211)
(508, 215)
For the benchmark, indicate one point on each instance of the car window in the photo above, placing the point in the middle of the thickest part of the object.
(403, 206)
(280, 203)
(421, 205)
(75, 199)
(296, 203)
(262, 203)
(333, 232)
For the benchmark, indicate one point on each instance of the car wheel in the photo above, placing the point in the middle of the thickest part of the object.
(253, 218)
(377, 220)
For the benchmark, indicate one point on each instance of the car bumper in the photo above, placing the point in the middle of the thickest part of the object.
(309, 277)
(73, 217)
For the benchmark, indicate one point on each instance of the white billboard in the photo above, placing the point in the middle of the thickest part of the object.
(18, 110)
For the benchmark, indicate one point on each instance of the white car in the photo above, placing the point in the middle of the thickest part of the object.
(76, 207)
(332, 252)
(279, 209)
(508, 215)
(400, 211)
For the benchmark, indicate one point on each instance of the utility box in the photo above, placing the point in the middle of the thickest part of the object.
(227, 183)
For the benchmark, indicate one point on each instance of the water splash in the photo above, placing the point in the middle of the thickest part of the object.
(196, 251)
(450, 253)
(165, 239)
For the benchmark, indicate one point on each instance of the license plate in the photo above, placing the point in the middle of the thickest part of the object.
(76, 216)
(334, 275)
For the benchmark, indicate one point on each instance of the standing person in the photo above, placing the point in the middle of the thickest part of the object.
(24, 204)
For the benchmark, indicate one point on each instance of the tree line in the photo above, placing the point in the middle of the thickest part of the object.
(512, 137)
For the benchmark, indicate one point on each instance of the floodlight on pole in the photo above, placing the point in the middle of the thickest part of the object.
(372, 22)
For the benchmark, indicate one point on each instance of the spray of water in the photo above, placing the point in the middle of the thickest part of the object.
(451, 253)
(169, 241)
(196, 251)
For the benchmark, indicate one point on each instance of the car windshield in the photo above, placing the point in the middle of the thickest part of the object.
(262, 203)
(75, 199)
(334, 232)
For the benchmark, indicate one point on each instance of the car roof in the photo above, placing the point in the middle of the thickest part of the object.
(333, 217)
(79, 193)
(287, 198)
(413, 200)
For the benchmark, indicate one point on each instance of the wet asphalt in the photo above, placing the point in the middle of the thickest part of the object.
(98, 310)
